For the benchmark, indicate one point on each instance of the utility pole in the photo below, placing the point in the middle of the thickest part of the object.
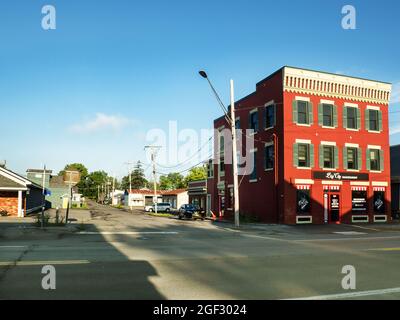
(129, 165)
(154, 150)
(44, 195)
(231, 120)
(113, 190)
(234, 159)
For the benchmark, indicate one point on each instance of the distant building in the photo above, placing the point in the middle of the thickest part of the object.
(176, 197)
(59, 190)
(18, 195)
(117, 197)
(139, 198)
(197, 191)
(395, 177)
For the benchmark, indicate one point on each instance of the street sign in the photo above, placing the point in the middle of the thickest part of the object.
(72, 177)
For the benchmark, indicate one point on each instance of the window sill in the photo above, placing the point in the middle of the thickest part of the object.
(373, 131)
(329, 169)
(304, 168)
(375, 171)
(269, 169)
(327, 127)
(351, 129)
(303, 125)
(352, 170)
(253, 180)
(269, 128)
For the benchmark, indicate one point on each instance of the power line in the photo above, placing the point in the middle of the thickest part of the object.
(187, 160)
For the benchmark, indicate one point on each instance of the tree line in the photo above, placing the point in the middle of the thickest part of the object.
(90, 182)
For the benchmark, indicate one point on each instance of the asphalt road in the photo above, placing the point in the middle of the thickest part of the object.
(122, 255)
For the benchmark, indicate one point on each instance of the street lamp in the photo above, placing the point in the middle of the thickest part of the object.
(231, 120)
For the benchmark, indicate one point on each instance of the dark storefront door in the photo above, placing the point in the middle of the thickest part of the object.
(334, 207)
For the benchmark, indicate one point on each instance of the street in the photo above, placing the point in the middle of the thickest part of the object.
(123, 255)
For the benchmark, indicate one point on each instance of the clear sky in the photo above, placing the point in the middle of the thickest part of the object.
(90, 90)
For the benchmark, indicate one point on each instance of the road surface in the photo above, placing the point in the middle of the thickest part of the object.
(123, 255)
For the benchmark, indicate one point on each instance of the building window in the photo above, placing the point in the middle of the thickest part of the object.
(359, 202)
(222, 165)
(304, 155)
(373, 120)
(237, 123)
(210, 169)
(352, 158)
(327, 110)
(374, 159)
(253, 121)
(302, 112)
(352, 117)
(253, 175)
(379, 202)
(269, 157)
(328, 155)
(221, 153)
(270, 116)
(303, 202)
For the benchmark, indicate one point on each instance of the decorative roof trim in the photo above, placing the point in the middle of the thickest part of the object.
(335, 86)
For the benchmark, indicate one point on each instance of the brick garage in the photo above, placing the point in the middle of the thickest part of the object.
(9, 202)
(18, 195)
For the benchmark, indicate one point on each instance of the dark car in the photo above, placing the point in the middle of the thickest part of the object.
(190, 211)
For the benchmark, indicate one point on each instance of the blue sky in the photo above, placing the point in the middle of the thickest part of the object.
(90, 90)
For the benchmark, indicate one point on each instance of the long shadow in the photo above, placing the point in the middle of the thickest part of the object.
(87, 267)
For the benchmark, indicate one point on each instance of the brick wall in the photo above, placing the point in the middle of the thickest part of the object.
(9, 202)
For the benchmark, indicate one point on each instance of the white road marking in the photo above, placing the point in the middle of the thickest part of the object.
(383, 249)
(39, 263)
(12, 247)
(127, 232)
(361, 227)
(317, 240)
(351, 294)
(350, 233)
(348, 239)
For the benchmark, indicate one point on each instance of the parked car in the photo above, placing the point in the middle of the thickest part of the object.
(161, 207)
(190, 211)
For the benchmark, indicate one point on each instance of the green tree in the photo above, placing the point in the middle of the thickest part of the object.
(197, 173)
(172, 181)
(92, 182)
(138, 178)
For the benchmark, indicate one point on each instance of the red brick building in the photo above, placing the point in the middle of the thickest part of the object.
(321, 151)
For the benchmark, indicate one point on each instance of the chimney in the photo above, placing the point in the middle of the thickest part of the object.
(3, 163)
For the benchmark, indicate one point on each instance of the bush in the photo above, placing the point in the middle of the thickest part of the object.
(3, 213)
(39, 219)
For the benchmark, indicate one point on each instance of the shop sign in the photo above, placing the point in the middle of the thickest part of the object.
(340, 176)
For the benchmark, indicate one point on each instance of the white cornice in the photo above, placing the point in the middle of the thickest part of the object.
(335, 86)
